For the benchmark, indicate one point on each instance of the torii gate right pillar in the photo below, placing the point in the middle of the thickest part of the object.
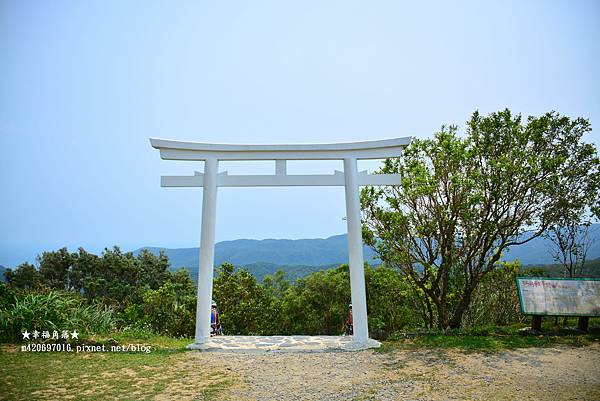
(355, 253)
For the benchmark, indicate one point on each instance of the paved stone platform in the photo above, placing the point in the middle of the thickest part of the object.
(283, 344)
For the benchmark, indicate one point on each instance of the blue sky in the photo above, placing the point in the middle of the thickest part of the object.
(84, 84)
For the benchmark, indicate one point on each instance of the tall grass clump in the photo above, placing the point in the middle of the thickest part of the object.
(52, 311)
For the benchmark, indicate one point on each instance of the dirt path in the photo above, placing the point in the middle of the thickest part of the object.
(530, 374)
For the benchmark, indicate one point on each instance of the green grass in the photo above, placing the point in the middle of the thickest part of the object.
(158, 342)
(497, 339)
(110, 375)
(169, 370)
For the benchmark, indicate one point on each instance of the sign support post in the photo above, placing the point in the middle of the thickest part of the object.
(536, 323)
(583, 323)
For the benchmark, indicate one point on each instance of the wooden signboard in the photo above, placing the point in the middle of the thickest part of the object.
(559, 296)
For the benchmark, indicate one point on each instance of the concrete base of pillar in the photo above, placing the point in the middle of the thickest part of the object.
(198, 346)
(261, 344)
(360, 345)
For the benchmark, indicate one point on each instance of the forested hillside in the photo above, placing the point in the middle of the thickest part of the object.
(241, 252)
(591, 269)
(300, 257)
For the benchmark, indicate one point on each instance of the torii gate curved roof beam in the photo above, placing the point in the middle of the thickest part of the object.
(183, 150)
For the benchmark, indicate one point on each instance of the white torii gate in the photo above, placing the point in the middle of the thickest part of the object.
(211, 179)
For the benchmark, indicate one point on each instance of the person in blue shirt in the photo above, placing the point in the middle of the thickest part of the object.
(215, 321)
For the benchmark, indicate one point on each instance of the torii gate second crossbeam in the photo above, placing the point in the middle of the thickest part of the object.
(211, 179)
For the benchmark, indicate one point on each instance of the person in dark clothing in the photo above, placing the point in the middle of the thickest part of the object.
(348, 326)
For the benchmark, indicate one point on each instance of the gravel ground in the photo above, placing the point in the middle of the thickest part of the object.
(558, 373)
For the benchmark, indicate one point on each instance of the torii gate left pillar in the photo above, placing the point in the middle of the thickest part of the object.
(210, 180)
(207, 251)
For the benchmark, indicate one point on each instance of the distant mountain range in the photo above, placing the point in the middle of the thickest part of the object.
(300, 257)
(303, 256)
(537, 251)
(2, 269)
(264, 257)
(292, 272)
(306, 252)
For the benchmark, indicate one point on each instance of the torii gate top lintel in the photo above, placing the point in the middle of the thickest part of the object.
(185, 150)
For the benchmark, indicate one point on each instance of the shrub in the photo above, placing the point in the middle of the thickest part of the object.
(390, 302)
(53, 311)
(170, 310)
(246, 306)
(495, 302)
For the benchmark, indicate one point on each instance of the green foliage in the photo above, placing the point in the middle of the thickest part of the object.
(464, 200)
(25, 276)
(536, 272)
(115, 278)
(318, 303)
(390, 302)
(260, 270)
(246, 307)
(495, 302)
(591, 268)
(494, 338)
(171, 310)
(53, 311)
(7, 296)
(55, 269)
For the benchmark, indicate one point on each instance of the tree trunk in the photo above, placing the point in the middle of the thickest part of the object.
(430, 312)
(464, 303)
(456, 320)
(442, 314)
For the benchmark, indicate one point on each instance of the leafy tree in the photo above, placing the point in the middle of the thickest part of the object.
(182, 280)
(120, 277)
(276, 288)
(85, 266)
(535, 272)
(277, 284)
(116, 279)
(154, 269)
(55, 268)
(25, 277)
(464, 200)
(7, 296)
(389, 301)
(171, 309)
(570, 244)
(318, 303)
(495, 301)
(244, 304)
